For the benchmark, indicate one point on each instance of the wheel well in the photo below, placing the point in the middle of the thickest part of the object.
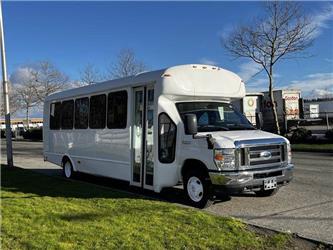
(64, 160)
(191, 164)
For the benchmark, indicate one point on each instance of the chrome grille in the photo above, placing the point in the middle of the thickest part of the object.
(262, 156)
(256, 155)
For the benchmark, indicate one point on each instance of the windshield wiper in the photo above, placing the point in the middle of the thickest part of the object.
(207, 128)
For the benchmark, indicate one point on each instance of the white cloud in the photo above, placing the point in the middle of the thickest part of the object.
(320, 19)
(208, 61)
(314, 85)
(257, 85)
(20, 75)
(225, 32)
(248, 70)
(322, 93)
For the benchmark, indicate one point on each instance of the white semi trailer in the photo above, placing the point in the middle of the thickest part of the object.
(287, 106)
(250, 106)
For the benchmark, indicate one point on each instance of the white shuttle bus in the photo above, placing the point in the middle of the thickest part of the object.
(160, 128)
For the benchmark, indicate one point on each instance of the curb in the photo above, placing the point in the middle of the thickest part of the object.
(328, 245)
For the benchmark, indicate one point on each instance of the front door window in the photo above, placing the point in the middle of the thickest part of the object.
(150, 138)
(143, 137)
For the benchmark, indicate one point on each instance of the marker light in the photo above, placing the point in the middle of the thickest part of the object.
(225, 158)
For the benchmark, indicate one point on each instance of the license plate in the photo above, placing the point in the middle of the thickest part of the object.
(270, 183)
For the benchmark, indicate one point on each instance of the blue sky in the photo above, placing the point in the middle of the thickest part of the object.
(162, 34)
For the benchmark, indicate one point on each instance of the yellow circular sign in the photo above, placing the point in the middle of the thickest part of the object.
(250, 102)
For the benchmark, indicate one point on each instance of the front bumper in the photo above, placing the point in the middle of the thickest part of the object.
(250, 180)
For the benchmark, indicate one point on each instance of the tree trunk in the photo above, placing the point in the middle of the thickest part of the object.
(271, 96)
(27, 117)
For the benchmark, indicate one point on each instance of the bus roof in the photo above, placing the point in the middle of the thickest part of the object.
(182, 80)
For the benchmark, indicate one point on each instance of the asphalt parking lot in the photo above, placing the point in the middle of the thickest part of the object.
(304, 207)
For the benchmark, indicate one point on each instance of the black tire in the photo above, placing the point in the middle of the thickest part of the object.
(266, 193)
(202, 178)
(67, 169)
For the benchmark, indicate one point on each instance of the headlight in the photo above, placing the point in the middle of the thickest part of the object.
(225, 158)
(289, 152)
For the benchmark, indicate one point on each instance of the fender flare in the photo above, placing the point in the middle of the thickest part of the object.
(70, 159)
(192, 163)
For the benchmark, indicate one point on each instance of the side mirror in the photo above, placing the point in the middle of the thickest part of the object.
(191, 125)
(259, 120)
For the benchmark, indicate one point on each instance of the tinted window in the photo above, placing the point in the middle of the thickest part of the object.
(215, 116)
(67, 108)
(97, 115)
(55, 115)
(81, 113)
(117, 110)
(167, 139)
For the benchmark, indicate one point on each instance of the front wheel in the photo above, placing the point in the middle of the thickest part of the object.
(198, 189)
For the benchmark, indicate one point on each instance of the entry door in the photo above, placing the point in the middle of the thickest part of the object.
(143, 137)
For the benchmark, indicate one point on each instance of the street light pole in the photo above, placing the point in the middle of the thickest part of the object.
(5, 94)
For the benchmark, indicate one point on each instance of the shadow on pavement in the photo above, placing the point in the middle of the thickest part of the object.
(172, 195)
(48, 171)
(279, 215)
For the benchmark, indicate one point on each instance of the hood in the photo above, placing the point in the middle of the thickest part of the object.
(226, 139)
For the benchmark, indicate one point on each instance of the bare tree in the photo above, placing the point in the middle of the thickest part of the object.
(89, 75)
(126, 65)
(27, 97)
(48, 78)
(13, 101)
(284, 32)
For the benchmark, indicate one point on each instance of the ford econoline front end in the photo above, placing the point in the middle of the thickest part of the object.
(242, 158)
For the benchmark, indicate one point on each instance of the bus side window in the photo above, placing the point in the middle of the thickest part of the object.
(97, 116)
(55, 115)
(117, 110)
(167, 131)
(81, 113)
(67, 116)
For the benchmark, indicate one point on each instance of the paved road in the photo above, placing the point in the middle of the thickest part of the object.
(304, 207)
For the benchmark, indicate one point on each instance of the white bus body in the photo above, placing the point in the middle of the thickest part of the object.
(136, 129)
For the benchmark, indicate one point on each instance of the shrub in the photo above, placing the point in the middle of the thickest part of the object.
(35, 134)
(3, 134)
(300, 135)
(329, 134)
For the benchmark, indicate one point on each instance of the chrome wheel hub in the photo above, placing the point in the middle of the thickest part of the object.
(195, 189)
(68, 170)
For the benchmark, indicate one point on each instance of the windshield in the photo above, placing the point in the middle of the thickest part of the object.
(214, 116)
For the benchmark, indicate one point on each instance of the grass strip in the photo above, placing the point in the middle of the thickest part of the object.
(43, 212)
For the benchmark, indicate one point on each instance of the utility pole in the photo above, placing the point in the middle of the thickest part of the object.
(5, 95)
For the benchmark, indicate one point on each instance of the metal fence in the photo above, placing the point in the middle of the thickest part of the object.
(318, 123)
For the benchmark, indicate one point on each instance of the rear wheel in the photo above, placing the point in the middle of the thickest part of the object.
(266, 193)
(68, 171)
(198, 189)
